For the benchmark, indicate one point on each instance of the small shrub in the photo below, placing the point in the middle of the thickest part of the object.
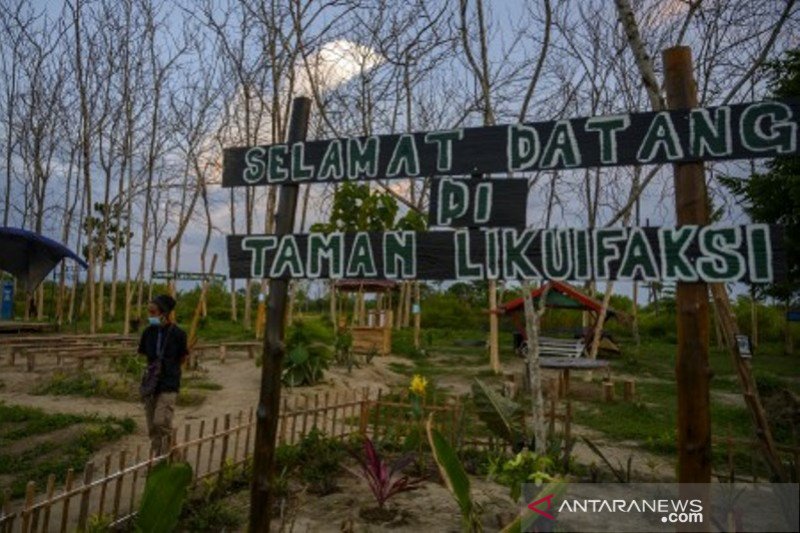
(525, 467)
(213, 516)
(318, 461)
(189, 399)
(384, 480)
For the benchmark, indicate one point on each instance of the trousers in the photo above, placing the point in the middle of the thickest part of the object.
(159, 410)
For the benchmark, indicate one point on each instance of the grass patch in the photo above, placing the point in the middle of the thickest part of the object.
(87, 385)
(189, 399)
(38, 460)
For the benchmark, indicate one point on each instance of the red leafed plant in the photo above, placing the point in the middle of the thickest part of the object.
(385, 479)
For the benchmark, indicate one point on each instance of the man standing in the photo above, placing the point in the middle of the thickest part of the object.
(164, 344)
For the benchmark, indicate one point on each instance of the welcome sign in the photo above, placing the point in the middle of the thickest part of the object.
(743, 131)
(688, 253)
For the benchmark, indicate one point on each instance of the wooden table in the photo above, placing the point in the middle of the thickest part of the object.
(565, 364)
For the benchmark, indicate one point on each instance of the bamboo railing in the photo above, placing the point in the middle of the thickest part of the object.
(113, 489)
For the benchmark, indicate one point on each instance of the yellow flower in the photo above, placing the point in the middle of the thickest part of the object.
(418, 385)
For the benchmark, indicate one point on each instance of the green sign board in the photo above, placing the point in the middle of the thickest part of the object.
(186, 276)
(751, 253)
(742, 131)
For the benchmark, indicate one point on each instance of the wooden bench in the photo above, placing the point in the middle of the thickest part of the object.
(250, 346)
(550, 346)
(78, 353)
(561, 347)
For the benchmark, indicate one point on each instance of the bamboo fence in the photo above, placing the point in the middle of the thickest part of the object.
(113, 488)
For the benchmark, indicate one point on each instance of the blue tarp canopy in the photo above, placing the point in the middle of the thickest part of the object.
(30, 257)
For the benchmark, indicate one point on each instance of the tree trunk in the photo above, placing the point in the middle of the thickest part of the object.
(532, 321)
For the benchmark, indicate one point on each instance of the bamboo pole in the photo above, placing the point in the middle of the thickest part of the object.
(30, 493)
(224, 452)
(118, 487)
(199, 450)
(83, 513)
(137, 458)
(65, 507)
(51, 488)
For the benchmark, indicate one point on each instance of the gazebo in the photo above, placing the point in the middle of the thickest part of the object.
(371, 329)
(562, 295)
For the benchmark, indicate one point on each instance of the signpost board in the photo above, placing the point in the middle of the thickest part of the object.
(742, 131)
(496, 245)
(186, 276)
(474, 203)
(751, 253)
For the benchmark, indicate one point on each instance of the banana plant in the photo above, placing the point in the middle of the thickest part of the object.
(455, 478)
(500, 414)
(164, 495)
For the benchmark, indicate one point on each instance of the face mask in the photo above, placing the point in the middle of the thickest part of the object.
(154, 320)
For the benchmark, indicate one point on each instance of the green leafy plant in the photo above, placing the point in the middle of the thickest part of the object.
(384, 479)
(98, 523)
(212, 516)
(455, 478)
(623, 474)
(308, 355)
(343, 350)
(500, 414)
(164, 495)
(318, 461)
(525, 467)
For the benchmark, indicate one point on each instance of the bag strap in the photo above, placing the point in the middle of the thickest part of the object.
(161, 345)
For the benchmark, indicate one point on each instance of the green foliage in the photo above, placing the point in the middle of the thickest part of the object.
(455, 478)
(448, 310)
(308, 353)
(98, 523)
(164, 494)
(343, 350)
(774, 196)
(212, 516)
(131, 365)
(116, 238)
(525, 467)
(36, 462)
(500, 414)
(315, 460)
(86, 384)
(358, 208)
(622, 474)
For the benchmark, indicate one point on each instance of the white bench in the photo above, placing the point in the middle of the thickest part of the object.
(557, 347)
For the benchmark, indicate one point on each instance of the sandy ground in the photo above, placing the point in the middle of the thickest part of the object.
(429, 509)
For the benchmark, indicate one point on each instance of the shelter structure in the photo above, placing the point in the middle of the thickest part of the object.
(30, 257)
(371, 329)
(562, 295)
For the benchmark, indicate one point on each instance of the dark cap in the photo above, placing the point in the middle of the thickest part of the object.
(165, 303)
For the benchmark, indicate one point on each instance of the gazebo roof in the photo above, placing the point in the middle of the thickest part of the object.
(366, 285)
(562, 296)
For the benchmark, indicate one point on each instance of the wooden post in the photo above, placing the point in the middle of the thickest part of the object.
(494, 347)
(51, 488)
(65, 508)
(417, 315)
(692, 371)
(224, 452)
(30, 493)
(629, 390)
(118, 488)
(261, 495)
(608, 391)
(83, 509)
